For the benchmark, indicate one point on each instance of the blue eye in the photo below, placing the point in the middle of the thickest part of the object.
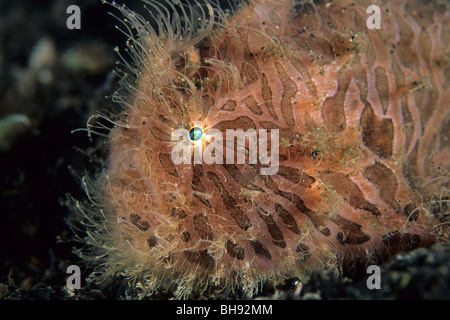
(195, 133)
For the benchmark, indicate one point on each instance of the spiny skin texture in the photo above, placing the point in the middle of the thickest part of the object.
(364, 122)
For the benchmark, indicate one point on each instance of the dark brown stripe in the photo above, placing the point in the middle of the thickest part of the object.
(333, 112)
(167, 164)
(234, 250)
(274, 230)
(317, 220)
(267, 96)
(287, 218)
(260, 250)
(230, 105)
(152, 241)
(202, 226)
(348, 190)
(160, 135)
(377, 133)
(253, 105)
(233, 170)
(351, 232)
(236, 212)
(360, 76)
(198, 186)
(408, 123)
(186, 236)
(386, 182)
(178, 213)
(200, 257)
(304, 252)
(296, 176)
(243, 123)
(287, 134)
(167, 121)
(306, 77)
(382, 85)
(140, 223)
(397, 240)
(289, 91)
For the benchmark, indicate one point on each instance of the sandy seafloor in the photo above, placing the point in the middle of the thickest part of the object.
(55, 78)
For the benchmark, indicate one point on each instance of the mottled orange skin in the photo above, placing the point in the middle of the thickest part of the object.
(357, 147)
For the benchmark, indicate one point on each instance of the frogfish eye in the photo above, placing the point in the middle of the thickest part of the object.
(195, 133)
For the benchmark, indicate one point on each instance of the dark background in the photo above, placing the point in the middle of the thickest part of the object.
(34, 172)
